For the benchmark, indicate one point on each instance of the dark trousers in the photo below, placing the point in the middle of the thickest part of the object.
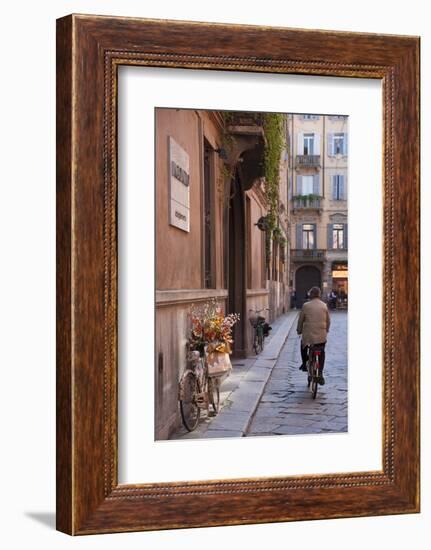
(321, 348)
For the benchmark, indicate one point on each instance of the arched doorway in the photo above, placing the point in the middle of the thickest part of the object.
(236, 263)
(306, 277)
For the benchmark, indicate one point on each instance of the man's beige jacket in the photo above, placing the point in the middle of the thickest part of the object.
(313, 322)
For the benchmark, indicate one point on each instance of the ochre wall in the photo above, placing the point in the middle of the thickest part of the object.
(179, 267)
(183, 249)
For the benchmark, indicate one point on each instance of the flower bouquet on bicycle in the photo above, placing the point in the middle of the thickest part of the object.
(211, 334)
(209, 345)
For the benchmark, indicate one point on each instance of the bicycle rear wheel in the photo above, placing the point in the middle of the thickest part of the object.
(314, 387)
(257, 344)
(314, 382)
(190, 412)
(261, 340)
(214, 394)
(309, 375)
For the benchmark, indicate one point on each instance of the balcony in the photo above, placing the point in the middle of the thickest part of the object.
(245, 118)
(245, 123)
(246, 144)
(306, 202)
(308, 161)
(308, 255)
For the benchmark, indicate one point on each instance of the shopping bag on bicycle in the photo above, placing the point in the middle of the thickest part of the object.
(218, 364)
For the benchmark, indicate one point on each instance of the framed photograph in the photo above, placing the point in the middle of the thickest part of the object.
(237, 274)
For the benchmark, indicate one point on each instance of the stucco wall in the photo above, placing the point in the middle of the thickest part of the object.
(179, 254)
(172, 330)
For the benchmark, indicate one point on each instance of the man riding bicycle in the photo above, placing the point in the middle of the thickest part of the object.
(313, 325)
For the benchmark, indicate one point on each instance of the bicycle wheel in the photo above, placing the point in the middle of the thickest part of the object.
(309, 374)
(314, 383)
(255, 344)
(309, 370)
(190, 412)
(261, 340)
(214, 394)
(314, 387)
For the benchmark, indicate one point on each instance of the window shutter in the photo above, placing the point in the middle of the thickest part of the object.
(345, 144)
(342, 188)
(330, 145)
(330, 241)
(299, 236)
(317, 144)
(299, 185)
(315, 235)
(300, 144)
(346, 246)
(316, 190)
(334, 187)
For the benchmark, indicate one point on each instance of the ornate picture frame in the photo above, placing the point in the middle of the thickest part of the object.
(89, 51)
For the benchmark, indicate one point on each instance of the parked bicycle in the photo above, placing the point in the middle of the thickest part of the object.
(199, 387)
(208, 363)
(313, 372)
(261, 329)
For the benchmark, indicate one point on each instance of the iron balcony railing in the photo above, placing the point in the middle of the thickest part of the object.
(302, 203)
(308, 161)
(308, 254)
(245, 119)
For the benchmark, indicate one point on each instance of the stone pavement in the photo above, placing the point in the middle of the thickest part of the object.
(241, 391)
(286, 406)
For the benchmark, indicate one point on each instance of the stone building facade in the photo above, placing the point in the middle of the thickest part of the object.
(318, 193)
(210, 198)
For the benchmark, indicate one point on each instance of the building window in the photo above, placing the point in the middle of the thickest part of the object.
(308, 237)
(337, 144)
(308, 144)
(338, 188)
(338, 236)
(307, 185)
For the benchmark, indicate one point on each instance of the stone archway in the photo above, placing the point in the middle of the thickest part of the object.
(306, 277)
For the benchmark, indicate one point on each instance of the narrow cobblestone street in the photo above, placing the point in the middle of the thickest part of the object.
(268, 395)
(241, 391)
(286, 406)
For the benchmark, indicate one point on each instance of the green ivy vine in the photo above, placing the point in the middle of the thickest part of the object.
(279, 237)
(273, 126)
